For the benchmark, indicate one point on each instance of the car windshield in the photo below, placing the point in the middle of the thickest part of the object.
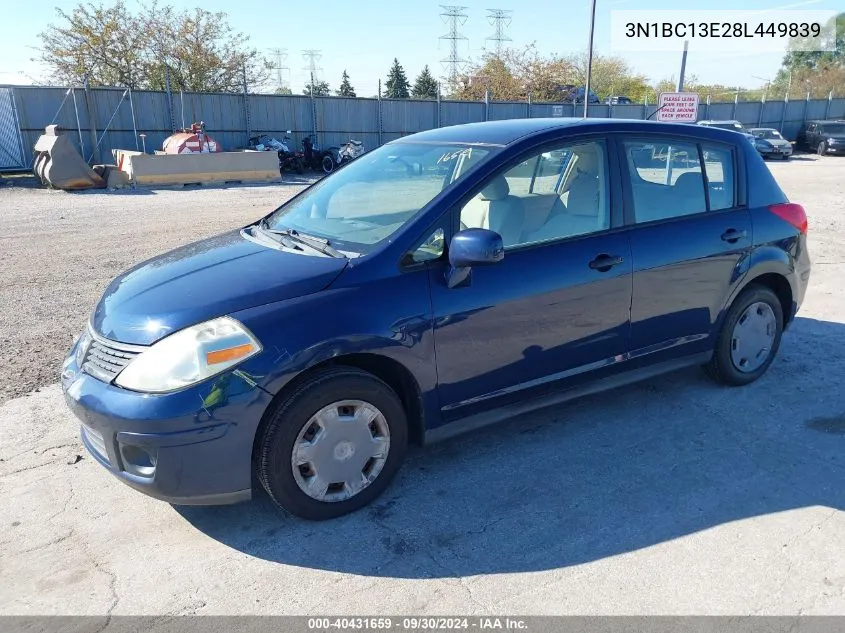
(834, 128)
(768, 134)
(372, 197)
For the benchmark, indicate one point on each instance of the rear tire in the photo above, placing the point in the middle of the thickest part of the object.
(333, 390)
(752, 327)
(327, 164)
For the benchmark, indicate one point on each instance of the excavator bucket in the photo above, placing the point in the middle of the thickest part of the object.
(58, 164)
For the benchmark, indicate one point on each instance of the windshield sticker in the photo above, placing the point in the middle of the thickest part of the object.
(449, 156)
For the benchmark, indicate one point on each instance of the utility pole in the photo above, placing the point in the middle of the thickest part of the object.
(499, 19)
(683, 67)
(590, 57)
(280, 56)
(455, 17)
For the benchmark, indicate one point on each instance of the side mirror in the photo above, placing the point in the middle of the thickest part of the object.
(476, 247)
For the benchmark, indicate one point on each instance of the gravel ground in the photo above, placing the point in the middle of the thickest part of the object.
(673, 496)
(59, 251)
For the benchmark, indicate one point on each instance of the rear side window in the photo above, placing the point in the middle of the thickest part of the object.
(719, 169)
(666, 179)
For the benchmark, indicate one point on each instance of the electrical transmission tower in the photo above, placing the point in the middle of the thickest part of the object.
(455, 17)
(280, 56)
(499, 19)
(312, 56)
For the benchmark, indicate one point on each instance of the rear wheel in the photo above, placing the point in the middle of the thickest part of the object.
(821, 149)
(332, 445)
(749, 338)
(327, 164)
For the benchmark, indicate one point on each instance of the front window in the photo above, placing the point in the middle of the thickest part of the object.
(371, 198)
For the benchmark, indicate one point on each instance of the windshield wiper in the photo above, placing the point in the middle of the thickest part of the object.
(317, 243)
(281, 238)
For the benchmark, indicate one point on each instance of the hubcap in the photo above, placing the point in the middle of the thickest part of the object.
(753, 337)
(340, 450)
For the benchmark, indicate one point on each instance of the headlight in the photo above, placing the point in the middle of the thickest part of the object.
(189, 356)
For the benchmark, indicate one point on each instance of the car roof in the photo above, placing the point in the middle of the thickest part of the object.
(719, 121)
(508, 131)
(760, 129)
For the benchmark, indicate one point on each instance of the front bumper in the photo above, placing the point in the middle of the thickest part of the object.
(190, 447)
(775, 152)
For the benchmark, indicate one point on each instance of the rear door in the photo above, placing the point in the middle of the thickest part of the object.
(558, 304)
(689, 231)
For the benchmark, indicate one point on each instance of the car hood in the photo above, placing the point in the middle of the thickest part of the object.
(839, 138)
(204, 280)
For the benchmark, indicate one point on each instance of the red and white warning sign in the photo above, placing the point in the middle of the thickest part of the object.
(678, 107)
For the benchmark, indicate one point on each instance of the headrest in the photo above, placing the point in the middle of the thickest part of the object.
(690, 180)
(497, 189)
(588, 161)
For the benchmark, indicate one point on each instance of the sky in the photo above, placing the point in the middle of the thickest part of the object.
(363, 36)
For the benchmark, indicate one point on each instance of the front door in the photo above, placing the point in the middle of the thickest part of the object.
(689, 235)
(558, 304)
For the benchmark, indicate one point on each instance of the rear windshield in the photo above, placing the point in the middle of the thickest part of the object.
(736, 127)
(834, 128)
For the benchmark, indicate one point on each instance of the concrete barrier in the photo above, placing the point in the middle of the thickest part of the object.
(181, 169)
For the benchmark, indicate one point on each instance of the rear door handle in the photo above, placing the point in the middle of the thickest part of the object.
(603, 262)
(733, 236)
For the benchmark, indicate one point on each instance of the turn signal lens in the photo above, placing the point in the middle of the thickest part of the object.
(229, 354)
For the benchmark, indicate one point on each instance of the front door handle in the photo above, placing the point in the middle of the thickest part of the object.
(733, 236)
(603, 262)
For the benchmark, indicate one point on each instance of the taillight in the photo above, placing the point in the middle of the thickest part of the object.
(792, 213)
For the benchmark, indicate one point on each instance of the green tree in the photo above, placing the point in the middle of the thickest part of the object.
(283, 90)
(425, 85)
(321, 89)
(115, 46)
(816, 72)
(346, 89)
(396, 86)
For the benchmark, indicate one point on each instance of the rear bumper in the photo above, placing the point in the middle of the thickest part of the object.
(192, 447)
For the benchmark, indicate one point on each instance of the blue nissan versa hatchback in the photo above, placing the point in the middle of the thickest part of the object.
(443, 281)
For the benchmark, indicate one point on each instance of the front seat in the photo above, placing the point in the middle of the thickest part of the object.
(582, 204)
(506, 214)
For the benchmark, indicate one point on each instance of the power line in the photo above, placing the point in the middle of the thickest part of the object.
(280, 55)
(455, 17)
(499, 19)
(312, 56)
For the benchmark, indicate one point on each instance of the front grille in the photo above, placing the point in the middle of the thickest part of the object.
(96, 441)
(105, 359)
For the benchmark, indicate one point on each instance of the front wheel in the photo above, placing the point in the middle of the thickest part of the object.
(821, 149)
(749, 338)
(333, 444)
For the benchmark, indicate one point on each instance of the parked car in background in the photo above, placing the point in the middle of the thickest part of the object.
(396, 301)
(822, 137)
(569, 93)
(730, 124)
(770, 143)
(620, 100)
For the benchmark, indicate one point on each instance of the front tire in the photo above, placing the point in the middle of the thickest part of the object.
(333, 445)
(749, 338)
(821, 150)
